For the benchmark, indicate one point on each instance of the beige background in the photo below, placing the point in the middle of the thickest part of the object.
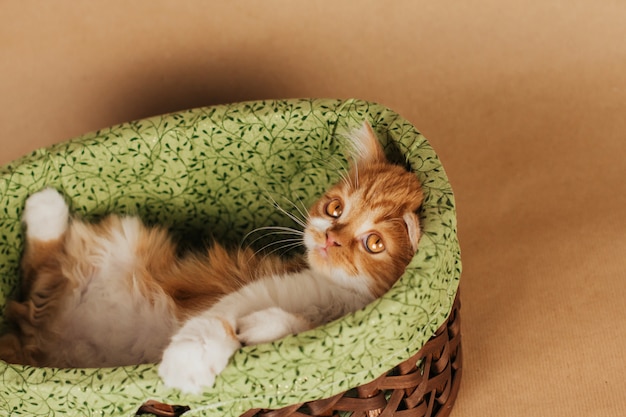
(524, 100)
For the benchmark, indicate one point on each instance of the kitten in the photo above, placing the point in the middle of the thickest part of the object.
(118, 293)
(359, 237)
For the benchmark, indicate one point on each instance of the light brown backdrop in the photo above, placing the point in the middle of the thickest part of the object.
(524, 100)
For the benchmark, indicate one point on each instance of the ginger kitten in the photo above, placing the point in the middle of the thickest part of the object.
(118, 293)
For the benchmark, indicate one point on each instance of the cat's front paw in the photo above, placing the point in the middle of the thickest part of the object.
(268, 325)
(186, 366)
(46, 215)
(193, 359)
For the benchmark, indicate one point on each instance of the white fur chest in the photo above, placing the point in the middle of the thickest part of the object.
(110, 318)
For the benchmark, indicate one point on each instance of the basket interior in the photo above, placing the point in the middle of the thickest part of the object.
(218, 172)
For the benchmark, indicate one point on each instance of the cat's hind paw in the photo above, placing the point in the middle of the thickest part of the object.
(46, 215)
(270, 324)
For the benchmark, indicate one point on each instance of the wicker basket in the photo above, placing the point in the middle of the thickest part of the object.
(212, 169)
(426, 385)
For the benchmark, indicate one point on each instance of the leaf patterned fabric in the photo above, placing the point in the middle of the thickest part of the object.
(218, 172)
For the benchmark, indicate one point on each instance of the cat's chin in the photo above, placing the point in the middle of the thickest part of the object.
(319, 261)
(322, 253)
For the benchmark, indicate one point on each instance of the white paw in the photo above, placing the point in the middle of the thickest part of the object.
(46, 215)
(267, 325)
(192, 361)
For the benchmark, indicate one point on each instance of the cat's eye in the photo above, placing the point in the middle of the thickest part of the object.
(374, 243)
(334, 208)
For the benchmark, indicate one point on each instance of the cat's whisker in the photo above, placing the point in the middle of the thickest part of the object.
(252, 244)
(278, 242)
(343, 167)
(284, 247)
(339, 166)
(275, 231)
(303, 211)
(342, 171)
(346, 179)
(268, 197)
(288, 243)
(292, 216)
(356, 172)
(270, 231)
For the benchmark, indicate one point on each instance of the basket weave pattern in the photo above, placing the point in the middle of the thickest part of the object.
(425, 385)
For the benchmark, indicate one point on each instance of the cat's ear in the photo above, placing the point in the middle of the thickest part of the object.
(366, 146)
(413, 227)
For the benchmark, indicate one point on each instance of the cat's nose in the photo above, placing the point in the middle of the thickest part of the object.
(331, 240)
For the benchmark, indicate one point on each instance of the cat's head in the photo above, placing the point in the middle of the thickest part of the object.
(364, 230)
